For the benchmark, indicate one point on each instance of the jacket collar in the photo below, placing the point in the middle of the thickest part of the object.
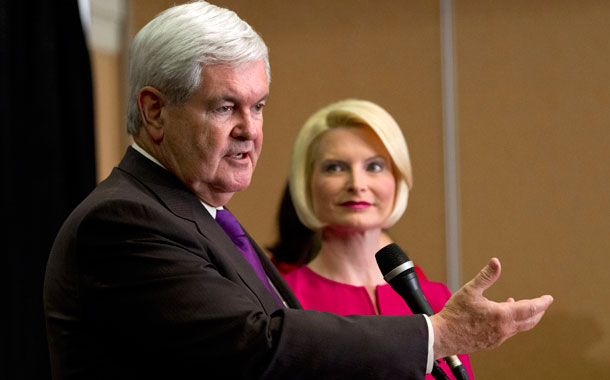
(174, 195)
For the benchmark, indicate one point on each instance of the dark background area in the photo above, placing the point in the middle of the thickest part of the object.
(48, 161)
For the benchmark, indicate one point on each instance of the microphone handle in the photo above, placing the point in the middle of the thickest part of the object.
(457, 368)
(438, 373)
(419, 305)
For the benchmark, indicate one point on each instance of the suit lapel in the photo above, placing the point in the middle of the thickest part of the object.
(183, 203)
(275, 277)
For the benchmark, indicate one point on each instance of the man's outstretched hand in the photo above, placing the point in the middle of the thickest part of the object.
(470, 322)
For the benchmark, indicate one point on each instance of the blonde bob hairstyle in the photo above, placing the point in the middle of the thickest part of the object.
(348, 113)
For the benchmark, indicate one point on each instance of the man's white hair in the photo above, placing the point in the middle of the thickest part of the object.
(172, 50)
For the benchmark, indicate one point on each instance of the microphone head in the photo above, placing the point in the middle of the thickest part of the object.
(390, 257)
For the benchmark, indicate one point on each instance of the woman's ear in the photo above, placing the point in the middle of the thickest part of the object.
(150, 104)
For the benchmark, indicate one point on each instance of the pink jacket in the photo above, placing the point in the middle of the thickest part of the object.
(319, 293)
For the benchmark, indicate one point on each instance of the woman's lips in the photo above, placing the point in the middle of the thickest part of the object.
(356, 205)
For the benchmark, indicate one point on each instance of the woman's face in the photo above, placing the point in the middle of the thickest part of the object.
(352, 184)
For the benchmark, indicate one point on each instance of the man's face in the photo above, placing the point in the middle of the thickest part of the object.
(212, 142)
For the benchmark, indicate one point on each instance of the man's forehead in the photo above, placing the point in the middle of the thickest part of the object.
(230, 80)
(232, 70)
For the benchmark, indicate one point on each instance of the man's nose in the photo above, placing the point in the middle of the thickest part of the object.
(247, 127)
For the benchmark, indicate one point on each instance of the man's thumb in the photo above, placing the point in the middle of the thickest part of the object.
(488, 275)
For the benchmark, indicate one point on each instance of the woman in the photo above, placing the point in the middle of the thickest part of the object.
(350, 178)
(297, 245)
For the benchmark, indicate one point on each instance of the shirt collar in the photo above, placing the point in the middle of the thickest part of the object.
(146, 154)
(211, 209)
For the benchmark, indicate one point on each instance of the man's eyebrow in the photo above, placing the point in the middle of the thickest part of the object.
(233, 99)
(222, 98)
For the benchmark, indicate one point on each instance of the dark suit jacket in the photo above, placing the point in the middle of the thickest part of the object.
(143, 283)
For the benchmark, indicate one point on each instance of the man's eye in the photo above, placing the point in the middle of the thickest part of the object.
(224, 109)
(259, 107)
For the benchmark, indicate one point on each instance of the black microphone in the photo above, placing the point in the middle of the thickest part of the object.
(398, 270)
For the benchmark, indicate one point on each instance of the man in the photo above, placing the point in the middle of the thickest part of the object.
(143, 282)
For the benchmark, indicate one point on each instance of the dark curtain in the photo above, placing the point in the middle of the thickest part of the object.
(46, 119)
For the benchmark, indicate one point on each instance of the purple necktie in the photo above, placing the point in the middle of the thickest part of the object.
(233, 229)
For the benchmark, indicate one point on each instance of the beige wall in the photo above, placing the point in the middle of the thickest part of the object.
(110, 135)
(533, 114)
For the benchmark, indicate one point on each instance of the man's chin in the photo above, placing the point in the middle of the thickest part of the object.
(235, 185)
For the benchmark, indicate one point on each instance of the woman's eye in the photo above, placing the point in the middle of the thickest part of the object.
(332, 168)
(375, 167)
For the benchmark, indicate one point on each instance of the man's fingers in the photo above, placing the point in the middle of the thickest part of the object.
(528, 324)
(487, 276)
(533, 309)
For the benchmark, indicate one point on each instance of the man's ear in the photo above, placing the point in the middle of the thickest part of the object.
(150, 104)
